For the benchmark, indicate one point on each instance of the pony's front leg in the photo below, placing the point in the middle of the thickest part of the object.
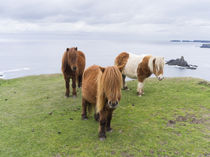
(74, 93)
(102, 125)
(140, 91)
(109, 118)
(96, 116)
(67, 86)
(124, 83)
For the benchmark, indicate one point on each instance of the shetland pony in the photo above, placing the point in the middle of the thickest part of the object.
(139, 67)
(73, 65)
(101, 90)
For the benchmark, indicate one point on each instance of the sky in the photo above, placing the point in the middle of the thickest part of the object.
(143, 19)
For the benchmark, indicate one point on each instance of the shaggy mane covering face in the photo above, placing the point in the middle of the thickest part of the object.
(109, 86)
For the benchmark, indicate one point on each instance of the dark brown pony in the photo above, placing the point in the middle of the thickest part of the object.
(101, 90)
(73, 65)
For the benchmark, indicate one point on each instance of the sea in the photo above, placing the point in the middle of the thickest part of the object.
(24, 56)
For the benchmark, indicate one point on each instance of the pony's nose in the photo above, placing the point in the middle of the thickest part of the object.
(74, 68)
(113, 104)
(160, 77)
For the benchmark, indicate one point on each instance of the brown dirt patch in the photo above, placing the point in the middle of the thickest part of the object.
(205, 83)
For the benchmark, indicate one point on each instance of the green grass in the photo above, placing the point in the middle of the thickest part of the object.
(171, 119)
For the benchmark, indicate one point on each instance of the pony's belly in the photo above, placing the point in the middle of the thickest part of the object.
(130, 73)
(132, 76)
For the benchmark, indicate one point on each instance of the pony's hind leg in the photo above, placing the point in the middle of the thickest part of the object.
(109, 118)
(74, 93)
(67, 79)
(124, 83)
(79, 81)
(84, 109)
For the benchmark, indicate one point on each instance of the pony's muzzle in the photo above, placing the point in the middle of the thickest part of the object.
(113, 104)
(74, 68)
(160, 77)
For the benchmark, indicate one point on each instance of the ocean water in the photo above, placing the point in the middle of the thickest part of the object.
(23, 57)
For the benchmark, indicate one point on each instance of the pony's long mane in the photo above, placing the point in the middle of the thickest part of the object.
(72, 55)
(109, 86)
(159, 63)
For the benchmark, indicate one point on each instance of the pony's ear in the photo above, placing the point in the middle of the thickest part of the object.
(102, 69)
(120, 68)
(67, 49)
(75, 48)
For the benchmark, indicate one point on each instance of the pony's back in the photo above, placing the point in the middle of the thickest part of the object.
(89, 83)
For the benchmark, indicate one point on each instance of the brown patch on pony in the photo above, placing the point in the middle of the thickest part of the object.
(121, 59)
(143, 70)
(100, 86)
(73, 65)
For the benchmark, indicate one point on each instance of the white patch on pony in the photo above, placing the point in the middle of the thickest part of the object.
(131, 66)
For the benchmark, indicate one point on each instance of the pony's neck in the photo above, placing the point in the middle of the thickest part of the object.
(151, 65)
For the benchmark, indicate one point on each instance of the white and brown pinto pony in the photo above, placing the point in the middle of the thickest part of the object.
(140, 67)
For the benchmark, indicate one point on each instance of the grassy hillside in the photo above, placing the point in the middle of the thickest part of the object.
(171, 119)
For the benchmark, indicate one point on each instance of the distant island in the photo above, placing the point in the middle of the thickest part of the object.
(198, 41)
(195, 41)
(205, 46)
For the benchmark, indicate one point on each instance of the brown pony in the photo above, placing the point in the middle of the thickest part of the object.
(101, 90)
(73, 65)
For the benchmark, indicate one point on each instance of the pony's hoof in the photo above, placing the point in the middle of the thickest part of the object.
(66, 96)
(125, 88)
(102, 138)
(74, 96)
(109, 130)
(84, 118)
(139, 95)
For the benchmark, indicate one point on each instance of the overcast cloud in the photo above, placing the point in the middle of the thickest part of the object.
(185, 19)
